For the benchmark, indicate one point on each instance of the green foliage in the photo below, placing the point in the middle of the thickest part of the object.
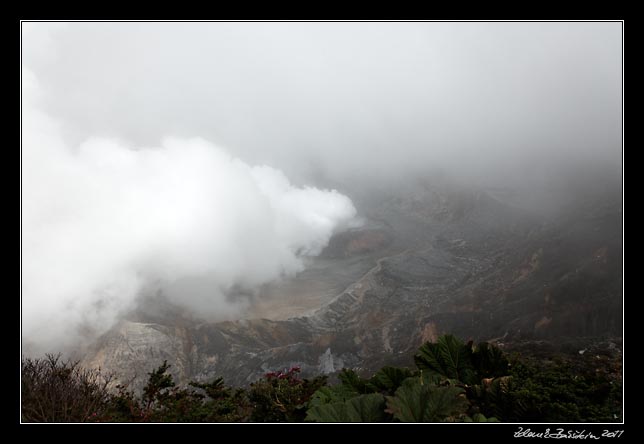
(156, 390)
(162, 401)
(489, 361)
(479, 417)
(550, 391)
(452, 359)
(362, 408)
(356, 399)
(448, 357)
(282, 396)
(123, 406)
(418, 402)
(215, 389)
(455, 382)
(432, 378)
(352, 380)
(493, 398)
(158, 381)
(331, 394)
(388, 379)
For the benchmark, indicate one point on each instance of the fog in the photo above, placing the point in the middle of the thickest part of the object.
(160, 152)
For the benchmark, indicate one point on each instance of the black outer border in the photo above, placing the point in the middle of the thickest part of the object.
(479, 432)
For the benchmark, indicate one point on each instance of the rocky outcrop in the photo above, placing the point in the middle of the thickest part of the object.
(429, 263)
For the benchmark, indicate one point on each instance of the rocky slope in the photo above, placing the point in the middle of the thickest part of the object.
(428, 261)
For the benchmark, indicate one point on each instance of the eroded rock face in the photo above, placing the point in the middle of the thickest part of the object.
(430, 264)
(131, 349)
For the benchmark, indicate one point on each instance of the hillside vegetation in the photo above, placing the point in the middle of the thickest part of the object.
(453, 381)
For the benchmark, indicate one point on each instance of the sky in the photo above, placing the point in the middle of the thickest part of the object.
(157, 152)
(342, 98)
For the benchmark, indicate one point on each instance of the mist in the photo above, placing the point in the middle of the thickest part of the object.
(155, 153)
(346, 99)
(103, 221)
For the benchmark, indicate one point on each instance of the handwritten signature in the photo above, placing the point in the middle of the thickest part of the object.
(566, 434)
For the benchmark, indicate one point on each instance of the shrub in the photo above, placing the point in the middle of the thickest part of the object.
(454, 382)
(61, 391)
(282, 396)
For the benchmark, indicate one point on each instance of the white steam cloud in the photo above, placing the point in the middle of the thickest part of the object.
(109, 207)
(103, 219)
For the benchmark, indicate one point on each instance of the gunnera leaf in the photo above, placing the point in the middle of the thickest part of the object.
(332, 394)
(448, 357)
(363, 408)
(390, 378)
(416, 402)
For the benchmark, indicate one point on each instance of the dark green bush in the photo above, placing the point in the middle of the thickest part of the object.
(551, 391)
